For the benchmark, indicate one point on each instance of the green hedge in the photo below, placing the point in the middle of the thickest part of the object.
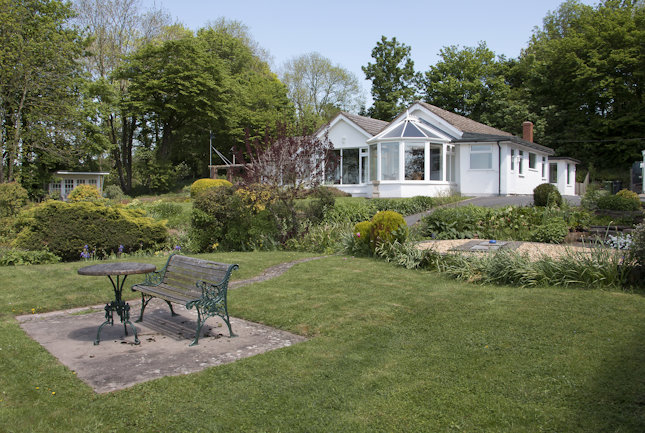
(358, 209)
(65, 228)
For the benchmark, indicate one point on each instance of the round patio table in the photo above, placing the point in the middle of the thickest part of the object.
(122, 308)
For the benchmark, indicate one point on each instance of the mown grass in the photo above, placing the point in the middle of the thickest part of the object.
(390, 350)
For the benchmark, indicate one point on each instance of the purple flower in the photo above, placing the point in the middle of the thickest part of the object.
(177, 248)
(120, 248)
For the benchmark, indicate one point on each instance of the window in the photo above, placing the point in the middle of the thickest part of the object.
(389, 161)
(512, 159)
(332, 172)
(350, 166)
(519, 163)
(373, 161)
(532, 160)
(553, 173)
(543, 167)
(80, 182)
(481, 157)
(435, 163)
(69, 186)
(55, 187)
(450, 163)
(364, 167)
(568, 174)
(415, 159)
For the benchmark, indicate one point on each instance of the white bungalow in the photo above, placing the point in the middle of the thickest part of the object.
(430, 151)
(65, 181)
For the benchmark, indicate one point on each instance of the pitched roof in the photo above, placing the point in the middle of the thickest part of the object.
(463, 123)
(369, 125)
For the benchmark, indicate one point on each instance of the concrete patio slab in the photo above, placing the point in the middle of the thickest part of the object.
(117, 363)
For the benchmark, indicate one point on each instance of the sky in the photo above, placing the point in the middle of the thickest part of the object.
(346, 31)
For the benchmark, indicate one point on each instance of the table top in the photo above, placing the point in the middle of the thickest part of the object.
(120, 268)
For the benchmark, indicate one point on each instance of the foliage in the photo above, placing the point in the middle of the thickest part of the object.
(553, 232)
(114, 192)
(619, 203)
(359, 209)
(387, 226)
(393, 78)
(40, 120)
(637, 247)
(631, 195)
(65, 228)
(547, 194)
(508, 223)
(286, 163)
(324, 238)
(599, 268)
(201, 185)
(590, 199)
(319, 89)
(405, 254)
(12, 198)
(591, 56)
(224, 219)
(84, 192)
(14, 257)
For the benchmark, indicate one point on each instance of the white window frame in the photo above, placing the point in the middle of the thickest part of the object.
(481, 150)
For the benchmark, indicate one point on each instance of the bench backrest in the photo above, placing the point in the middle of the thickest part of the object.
(183, 272)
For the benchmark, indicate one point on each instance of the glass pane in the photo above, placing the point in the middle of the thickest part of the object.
(364, 170)
(350, 166)
(532, 160)
(480, 148)
(415, 159)
(412, 131)
(553, 173)
(332, 173)
(435, 164)
(481, 161)
(389, 161)
(512, 159)
(453, 174)
(396, 132)
(373, 162)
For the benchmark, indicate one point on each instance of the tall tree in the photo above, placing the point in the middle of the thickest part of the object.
(39, 82)
(393, 78)
(117, 28)
(319, 89)
(471, 81)
(585, 72)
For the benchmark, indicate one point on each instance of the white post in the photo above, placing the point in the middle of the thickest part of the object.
(643, 170)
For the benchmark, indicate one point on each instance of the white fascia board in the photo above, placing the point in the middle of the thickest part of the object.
(449, 127)
(87, 173)
(341, 117)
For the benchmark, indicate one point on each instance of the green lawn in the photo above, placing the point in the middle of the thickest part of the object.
(390, 350)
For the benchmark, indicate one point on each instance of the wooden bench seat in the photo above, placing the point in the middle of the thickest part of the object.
(192, 282)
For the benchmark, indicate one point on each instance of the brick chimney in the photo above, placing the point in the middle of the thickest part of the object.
(527, 131)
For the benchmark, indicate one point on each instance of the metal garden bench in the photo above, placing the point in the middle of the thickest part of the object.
(192, 282)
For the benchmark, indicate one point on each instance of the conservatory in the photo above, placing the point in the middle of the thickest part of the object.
(407, 158)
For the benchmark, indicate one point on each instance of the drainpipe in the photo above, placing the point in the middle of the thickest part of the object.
(499, 168)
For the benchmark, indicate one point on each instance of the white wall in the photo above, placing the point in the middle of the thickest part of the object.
(343, 135)
(429, 189)
(476, 182)
(563, 187)
(525, 183)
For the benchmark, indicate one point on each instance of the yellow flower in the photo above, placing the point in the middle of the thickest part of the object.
(53, 392)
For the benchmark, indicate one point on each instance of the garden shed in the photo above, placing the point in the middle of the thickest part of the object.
(64, 182)
(429, 151)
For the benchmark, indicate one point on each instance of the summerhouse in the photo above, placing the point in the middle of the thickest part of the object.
(430, 151)
(64, 182)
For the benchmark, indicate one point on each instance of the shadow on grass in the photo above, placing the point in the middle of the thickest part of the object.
(614, 400)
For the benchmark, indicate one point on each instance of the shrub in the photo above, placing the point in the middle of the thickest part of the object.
(553, 232)
(9, 257)
(637, 247)
(227, 219)
(590, 199)
(387, 226)
(618, 203)
(406, 254)
(65, 228)
(322, 238)
(203, 184)
(84, 192)
(547, 194)
(12, 197)
(114, 192)
(625, 193)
